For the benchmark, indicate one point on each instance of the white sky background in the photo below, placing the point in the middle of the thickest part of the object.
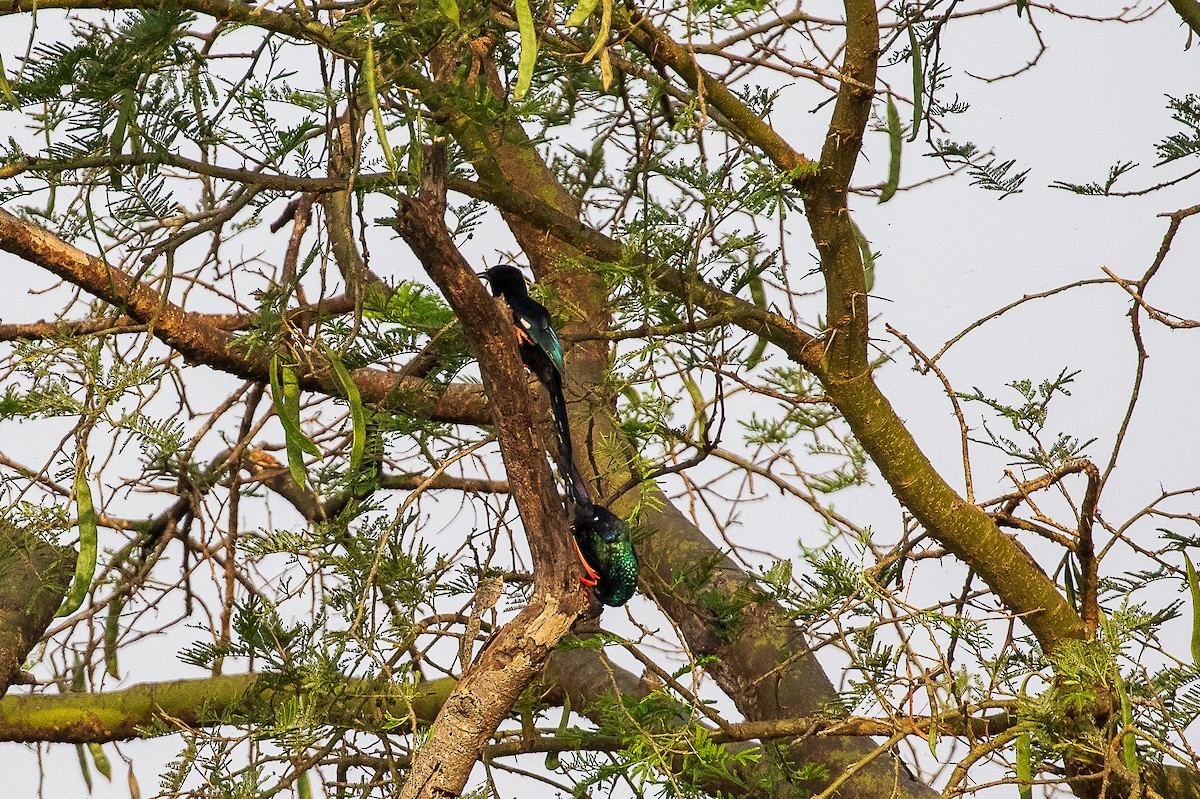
(952, 253)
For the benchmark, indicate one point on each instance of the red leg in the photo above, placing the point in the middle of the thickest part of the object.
(590, 576)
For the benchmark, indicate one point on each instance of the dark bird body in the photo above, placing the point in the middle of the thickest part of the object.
(541, 351)
(601, 538)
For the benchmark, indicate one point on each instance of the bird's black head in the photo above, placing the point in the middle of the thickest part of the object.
(506, 281)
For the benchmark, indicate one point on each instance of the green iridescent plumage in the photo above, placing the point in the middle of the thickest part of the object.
(605, 546)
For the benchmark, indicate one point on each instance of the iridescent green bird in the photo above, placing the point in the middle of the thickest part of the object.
(540, 348)
(602, 540)
(603, 543)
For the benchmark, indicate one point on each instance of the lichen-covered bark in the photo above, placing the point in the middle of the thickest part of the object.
(34, 577)
(206, 702)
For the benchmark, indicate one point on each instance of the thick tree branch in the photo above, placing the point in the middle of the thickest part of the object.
(266, 469)
(361, 704)
(200, 342)
(36, 331)
(763, 663)
(246, 177)
(1189, 12)
(515, 654)
(292, 25)
(206, 702)
(825, 201)
(339, 211)
(371, 706)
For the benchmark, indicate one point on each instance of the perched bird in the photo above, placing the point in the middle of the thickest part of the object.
(601, 538)
(534, 328)
(541, 351)
(609, 559)
(602, 541)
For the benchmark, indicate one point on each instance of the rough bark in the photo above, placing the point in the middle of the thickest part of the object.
(513, 657)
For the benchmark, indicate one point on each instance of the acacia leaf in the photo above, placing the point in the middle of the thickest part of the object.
(918, 69)
(285, 390)
(759, 295)
(103, 765)
(1194, 589)
(112, 629)
(450, 11)
(581, 13)
(601, 37)
(868, 257)
(358, 415)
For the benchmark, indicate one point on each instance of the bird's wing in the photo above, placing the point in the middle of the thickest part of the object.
(541, 333)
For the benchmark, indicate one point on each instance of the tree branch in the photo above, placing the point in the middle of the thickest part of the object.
(200, 342)
(515, 654)
(306, 29)
(247, 177)
(1189, 12)
(36, 331)
(206, 702)
(268, 471)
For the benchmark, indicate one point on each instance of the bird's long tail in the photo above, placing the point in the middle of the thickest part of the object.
(577, 488)
(558, 410)
(575, 484)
